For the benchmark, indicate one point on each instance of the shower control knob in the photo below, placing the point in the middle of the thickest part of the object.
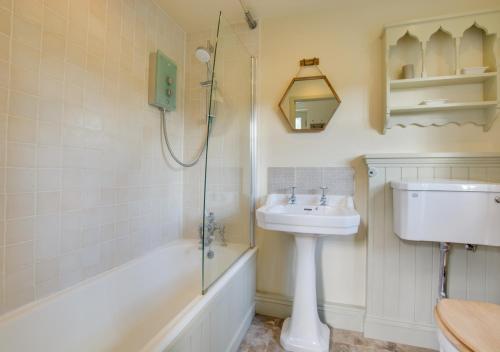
(170, 81)
(169, 92)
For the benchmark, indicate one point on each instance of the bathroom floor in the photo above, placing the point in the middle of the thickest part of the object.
(264, 336)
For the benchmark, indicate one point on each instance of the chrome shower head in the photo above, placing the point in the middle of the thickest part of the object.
(203, 54)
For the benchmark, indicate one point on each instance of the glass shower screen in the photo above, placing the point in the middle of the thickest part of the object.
(228, 169)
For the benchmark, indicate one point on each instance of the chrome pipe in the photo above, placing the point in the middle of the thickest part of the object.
(444, 249)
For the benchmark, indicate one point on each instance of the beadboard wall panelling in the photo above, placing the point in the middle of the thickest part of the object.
(403, 275)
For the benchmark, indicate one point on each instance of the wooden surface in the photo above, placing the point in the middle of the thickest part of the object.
(476, 325)
(454, 341)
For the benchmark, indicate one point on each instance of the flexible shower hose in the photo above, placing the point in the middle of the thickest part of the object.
(169, 147)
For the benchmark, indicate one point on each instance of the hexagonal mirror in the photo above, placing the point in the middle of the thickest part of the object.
(309, 103)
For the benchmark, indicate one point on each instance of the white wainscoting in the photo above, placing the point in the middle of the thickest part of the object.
(222, 324)
(403, 276)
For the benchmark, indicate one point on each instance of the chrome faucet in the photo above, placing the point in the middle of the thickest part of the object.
(211, 227)
(323, 199)
(292, 199)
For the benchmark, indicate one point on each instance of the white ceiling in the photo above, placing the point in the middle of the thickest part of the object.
(195, 15)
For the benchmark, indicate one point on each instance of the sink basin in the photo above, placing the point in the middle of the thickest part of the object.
(307, 220)
(306, 216)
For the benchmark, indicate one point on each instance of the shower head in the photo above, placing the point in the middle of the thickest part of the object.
(203, 54)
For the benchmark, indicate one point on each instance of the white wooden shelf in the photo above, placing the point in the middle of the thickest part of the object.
(441, 80)
(438, 49)
(398, 110)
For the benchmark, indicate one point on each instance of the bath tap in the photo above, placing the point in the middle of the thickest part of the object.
(324, 199)
(292, 199)
(211, 227)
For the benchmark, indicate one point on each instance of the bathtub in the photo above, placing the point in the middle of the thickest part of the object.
(150, 304)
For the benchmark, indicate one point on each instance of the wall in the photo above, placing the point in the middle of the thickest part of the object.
(83, 186)
(348, 44)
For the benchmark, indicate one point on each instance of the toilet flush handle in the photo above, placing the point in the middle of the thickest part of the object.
(497, 199)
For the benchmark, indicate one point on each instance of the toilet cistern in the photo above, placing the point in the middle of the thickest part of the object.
(447, 211)
(307, 218)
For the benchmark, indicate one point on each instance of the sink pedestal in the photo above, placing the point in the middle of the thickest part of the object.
(307, 220)
(303, 331)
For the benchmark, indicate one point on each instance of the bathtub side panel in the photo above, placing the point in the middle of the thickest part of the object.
(222, 324)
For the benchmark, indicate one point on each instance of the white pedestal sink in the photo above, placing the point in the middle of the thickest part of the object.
(306, 220)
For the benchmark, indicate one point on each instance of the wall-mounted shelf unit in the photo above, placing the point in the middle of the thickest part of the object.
(440, 49)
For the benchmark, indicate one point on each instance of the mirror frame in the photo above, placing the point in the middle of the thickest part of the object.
(307, 78)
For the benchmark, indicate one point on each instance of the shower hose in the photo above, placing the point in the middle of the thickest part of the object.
(169, 147)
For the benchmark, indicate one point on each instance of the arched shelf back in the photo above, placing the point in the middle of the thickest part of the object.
(440, 49)
(408, 50)
(477, 49)
(440, 54)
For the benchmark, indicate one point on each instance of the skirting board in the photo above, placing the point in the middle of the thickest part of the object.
(353, 318)
(422, 335)
(337, 315)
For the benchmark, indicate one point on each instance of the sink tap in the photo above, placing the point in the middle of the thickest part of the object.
(323, 199)
(292, 199)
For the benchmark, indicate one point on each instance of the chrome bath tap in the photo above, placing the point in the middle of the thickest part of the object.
(324, 199)
(211, 229)
(292, 199)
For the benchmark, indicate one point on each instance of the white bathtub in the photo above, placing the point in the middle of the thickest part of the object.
(150, 304)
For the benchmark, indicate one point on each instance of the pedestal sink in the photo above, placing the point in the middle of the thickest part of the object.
(306, 220)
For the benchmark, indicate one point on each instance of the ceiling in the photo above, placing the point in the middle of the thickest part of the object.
(196, 15)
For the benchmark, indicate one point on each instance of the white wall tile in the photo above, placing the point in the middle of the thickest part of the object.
(20, 205)
(20, 155)
(20, 180)
(18, 257)
(19, 230)
(76, 168)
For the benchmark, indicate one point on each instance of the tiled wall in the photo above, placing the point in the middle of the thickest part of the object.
(83, 186)
(308, 180)
(229, 163)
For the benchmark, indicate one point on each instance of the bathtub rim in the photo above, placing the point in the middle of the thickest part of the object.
(170, 332)
(24, 309)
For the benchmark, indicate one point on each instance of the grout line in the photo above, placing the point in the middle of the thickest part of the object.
(61, 145)
(101, 187)
(37, 129)
(3, 294)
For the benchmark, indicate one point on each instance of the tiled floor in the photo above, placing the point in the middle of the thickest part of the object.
(264, 336)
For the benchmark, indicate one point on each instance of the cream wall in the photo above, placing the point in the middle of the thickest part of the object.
(350, 51)
(83, 186)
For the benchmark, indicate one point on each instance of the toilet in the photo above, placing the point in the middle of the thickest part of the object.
(468, 326)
